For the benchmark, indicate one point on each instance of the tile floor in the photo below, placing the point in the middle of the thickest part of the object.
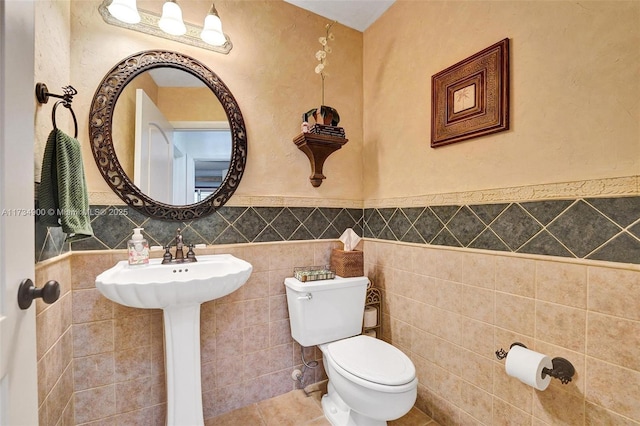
(294, 408)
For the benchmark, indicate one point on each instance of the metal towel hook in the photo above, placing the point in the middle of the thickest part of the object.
(43, 94)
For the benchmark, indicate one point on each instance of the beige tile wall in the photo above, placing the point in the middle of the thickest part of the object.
(117, 373)
(102, 363)
(55, 347)
(450, 310)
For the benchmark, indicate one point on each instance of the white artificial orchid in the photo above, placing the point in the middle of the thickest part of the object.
(321, 55)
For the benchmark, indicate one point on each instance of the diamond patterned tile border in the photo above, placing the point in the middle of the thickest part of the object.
(582, 229)
(465, 226)
(428, 225)
(594, 228)
(399, 224)
(515, 226)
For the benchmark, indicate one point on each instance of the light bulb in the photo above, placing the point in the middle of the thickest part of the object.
(125, 11)
(212, 31)
(171, 20)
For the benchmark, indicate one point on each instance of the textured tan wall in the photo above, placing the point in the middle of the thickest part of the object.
(270, 72)
(54, 342)
(450, 310)
(574, 91)
(52, 67)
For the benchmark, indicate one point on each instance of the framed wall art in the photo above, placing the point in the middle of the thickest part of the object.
(471, 98)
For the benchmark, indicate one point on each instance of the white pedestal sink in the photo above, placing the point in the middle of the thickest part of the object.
(177, 289)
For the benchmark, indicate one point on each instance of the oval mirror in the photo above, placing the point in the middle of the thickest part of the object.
(168, 135)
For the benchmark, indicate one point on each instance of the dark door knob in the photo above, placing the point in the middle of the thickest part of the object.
(27, 292)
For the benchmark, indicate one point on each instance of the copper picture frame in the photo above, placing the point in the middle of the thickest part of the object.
(471, 98)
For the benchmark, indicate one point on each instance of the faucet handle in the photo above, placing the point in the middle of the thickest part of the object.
(167, 257)
(190, 253)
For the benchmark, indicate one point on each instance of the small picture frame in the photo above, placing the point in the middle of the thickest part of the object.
(471, 98)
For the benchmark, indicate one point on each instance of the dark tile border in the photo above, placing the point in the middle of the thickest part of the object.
(113, 225)
(593, 228)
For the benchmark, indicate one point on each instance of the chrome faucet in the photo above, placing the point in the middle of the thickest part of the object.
(179, 256)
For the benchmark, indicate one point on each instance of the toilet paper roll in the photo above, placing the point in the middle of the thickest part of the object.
(370, 316)
(371, 333)
(526, 365)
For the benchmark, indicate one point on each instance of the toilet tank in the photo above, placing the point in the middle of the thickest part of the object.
(325, 310)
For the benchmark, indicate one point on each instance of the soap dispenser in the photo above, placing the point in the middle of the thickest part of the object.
(138, 248)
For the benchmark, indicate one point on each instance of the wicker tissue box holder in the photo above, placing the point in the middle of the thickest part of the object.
(347, 263)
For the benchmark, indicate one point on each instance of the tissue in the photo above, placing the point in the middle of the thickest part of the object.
(370, 317)
(526, 365)
(350, 239)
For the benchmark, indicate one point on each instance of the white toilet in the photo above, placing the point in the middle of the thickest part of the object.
(370, 381)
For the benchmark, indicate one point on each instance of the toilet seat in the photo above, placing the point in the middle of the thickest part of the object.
(372, 362)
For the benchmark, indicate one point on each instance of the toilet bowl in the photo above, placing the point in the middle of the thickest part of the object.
(370, 381)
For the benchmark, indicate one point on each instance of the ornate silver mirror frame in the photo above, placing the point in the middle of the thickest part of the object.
(101, 124)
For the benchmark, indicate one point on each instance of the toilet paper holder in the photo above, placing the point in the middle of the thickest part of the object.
(562, 369)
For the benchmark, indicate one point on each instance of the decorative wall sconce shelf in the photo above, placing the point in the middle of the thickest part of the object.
(318, 148)
(149, 25)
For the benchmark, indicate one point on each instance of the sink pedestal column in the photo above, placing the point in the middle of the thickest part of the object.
(182, 359)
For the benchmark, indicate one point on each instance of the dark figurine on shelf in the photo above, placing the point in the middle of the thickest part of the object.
(327, 116)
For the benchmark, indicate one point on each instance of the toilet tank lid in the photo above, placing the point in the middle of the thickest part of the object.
(373, 360)
(320, 285)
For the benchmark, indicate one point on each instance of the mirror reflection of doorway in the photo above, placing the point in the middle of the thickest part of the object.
(206, 161)
(208, 177)
(182, 162)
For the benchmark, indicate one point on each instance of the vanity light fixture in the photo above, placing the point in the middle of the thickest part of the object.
(122, 13)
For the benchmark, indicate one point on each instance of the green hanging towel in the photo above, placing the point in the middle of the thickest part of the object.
(62, 194)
